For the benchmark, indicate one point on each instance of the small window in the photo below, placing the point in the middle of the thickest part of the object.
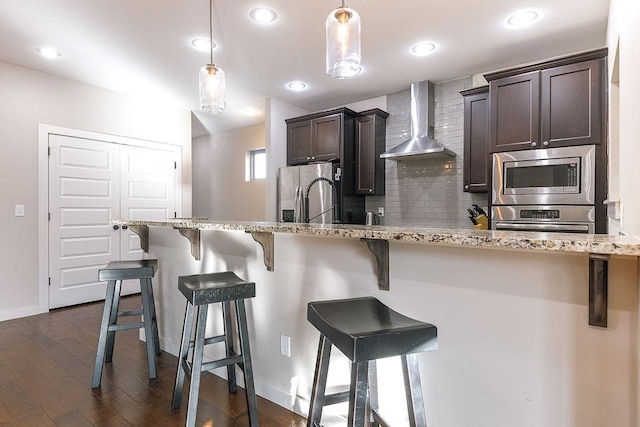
(257, 164)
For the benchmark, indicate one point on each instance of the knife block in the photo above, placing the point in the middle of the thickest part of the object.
(483, 223)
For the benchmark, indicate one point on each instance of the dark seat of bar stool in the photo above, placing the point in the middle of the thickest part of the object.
(366, 329)
(211, 288)
(123, 270)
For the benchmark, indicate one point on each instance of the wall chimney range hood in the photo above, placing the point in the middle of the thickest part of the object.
(421, 145)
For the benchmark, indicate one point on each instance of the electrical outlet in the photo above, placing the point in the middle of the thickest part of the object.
(285, 345)
(380, 211)
(19, 210)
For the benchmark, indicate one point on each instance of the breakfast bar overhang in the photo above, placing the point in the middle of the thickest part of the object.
(515, 346)
(598, 247)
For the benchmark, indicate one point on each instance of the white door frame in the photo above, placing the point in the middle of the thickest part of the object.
(43, 192)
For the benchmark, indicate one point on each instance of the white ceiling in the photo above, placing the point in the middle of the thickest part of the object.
(143, 46)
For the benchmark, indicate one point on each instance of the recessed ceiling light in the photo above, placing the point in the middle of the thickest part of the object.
(263, 15)
(202, 44)
(423, 48)
(249, 111)
(522, 19)
(48, 52)
(297, 85)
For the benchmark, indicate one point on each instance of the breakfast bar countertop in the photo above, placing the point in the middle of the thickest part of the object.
(603, 244)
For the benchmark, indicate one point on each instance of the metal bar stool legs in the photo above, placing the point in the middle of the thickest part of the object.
(200, 291)
(114, 273)
(413, 390)
(105, 340)
(247, 366)
(150, 327)
(231, 370)
(319, 382)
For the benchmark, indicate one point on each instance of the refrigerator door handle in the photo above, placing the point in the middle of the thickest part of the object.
(298, 210)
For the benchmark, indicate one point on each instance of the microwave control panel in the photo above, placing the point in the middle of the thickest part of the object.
(572, 175)
(540, 214)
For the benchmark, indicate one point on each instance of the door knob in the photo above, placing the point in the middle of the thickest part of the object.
(116, 227)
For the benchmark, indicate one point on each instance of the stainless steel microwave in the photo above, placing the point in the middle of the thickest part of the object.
(551, 176)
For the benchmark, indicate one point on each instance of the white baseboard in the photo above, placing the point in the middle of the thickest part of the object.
(22, 312)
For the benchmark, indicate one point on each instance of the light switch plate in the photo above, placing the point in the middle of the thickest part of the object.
(19, 210)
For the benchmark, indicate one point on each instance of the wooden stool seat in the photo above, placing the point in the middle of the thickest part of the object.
(200, 290)
(364, 329)
(114, 273)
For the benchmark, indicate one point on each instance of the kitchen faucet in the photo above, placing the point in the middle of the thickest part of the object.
(306, 201)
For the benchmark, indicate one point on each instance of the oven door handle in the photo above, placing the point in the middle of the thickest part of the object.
(573, 228)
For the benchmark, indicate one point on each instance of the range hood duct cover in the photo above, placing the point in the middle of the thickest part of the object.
(421, 144)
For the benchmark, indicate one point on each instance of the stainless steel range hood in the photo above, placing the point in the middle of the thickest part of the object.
(421, 144)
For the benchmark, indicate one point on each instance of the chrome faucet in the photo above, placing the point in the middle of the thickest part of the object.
(334, 208)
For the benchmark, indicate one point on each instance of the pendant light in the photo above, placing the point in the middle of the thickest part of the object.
(343, 43)
(212, 82)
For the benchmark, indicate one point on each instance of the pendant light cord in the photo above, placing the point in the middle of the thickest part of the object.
(211, 31)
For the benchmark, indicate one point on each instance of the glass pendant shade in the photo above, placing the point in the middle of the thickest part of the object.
(343, 43)
(212, 89)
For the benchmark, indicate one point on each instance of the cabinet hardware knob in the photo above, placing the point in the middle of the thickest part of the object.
(124, 227)
(313, 157)
(308, 158)
(466, 187)
(116, 227)
(534, 144)
(545, 143)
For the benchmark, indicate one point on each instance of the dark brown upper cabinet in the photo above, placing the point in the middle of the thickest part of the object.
(475, 173)
(551, 104)
(370, 143)
(319, 137)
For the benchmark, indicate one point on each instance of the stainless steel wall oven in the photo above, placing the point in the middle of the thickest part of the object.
(544, 190)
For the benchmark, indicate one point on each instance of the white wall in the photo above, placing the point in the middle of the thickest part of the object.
(623, 40)
(219, 187)
(276, 112)
(29, 98)
(515, 347)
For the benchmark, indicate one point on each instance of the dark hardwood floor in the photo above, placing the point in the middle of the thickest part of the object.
(46, 365)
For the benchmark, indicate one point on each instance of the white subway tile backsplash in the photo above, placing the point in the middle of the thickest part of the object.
(427, 192)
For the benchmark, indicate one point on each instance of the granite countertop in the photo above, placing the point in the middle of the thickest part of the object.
(562, 242)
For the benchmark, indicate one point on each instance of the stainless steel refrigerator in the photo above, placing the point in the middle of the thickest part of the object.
(311, 189)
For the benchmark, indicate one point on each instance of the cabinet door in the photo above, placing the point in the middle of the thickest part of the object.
(299, 147)
(476, 143)
(515, 112)
(326, 137)
(365, 155)
(571, 104)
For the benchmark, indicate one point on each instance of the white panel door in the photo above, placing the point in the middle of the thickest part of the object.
(92, 182)
(84, 195)
(147, 191)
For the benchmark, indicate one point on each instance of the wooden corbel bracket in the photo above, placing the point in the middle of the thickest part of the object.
(143, 233)
(380, 249)
(193, 234)
(266, 241)
(598, 288)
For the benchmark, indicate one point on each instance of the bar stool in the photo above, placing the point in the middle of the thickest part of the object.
(114, 273)
(364, 330)
(200, 290)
